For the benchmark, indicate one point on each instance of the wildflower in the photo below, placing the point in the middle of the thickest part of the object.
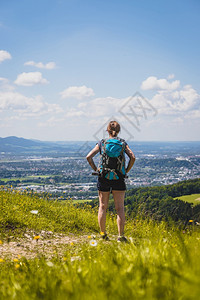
(15, 259)
(50, 264)
(89, 237)
(35, 212)
(1, 242)
(190, 221)
(17, 266)
(36, 237)
(64, 258)
(1, 260)
(102, 233)
(93, 243)
(73, 258)
(71, 243)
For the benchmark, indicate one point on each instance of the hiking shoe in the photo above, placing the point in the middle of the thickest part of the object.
(104, 236)
(122, 239)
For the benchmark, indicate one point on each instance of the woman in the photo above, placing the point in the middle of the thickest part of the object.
(106, 186)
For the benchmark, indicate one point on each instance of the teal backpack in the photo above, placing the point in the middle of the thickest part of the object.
(112, 159)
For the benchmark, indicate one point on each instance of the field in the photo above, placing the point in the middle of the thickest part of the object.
(25, 178)
(194, 198)
(54, 251)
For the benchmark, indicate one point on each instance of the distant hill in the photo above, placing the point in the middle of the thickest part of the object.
(18, 145)
(15, 144)
(16, 141)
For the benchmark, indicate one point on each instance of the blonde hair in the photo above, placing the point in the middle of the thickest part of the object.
(113, 128)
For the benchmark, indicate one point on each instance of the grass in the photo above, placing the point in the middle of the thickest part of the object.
(160, 261)
(193, 198)
(81, 201)
(26, 178)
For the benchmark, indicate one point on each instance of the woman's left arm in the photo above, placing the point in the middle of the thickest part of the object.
(131, 160)
(90, 156)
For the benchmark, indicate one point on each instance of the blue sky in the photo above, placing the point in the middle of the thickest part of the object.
(67, 67)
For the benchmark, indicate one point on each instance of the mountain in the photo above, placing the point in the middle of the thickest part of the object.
(16, 145)
(13, 145)
(16, 141)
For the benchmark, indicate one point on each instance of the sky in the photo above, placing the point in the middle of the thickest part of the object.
(68, 67)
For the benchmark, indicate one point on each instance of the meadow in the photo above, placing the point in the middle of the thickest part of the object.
(193, 198)
(50, 250)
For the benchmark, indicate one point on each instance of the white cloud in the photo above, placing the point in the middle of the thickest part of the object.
(51, 122)
(173, 101)
(97, 108)
(31, 78)
(77, 92)
(75, 113)
(26, 106)
(4, 55)
(176, 102)
(5, 85)
(152, 83)
(49, 66)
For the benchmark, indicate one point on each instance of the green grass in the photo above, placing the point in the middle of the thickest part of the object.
(16, 214)
(25, 178)
(160, 262)
(81, 201)
(194, 198)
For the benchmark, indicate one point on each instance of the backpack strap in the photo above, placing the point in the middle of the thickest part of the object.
(122, 161)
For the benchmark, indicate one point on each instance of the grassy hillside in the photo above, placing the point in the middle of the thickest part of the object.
(160, 261)
(194, 198)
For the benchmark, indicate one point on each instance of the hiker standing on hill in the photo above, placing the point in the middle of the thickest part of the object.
(111, 176)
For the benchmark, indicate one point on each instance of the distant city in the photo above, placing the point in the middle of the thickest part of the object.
(61, 169)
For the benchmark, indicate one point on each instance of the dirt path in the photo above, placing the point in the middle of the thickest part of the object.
(48, 244)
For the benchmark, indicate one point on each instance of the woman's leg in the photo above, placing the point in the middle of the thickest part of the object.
(103, 204)
(119, 206)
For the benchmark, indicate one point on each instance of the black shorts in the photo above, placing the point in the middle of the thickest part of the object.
(106, 185)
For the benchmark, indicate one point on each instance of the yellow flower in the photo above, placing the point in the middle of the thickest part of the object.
(1, 242)
(71, 243)
(102, 233)
(17, 266)
(64, 258)
(15, 259)
(1, 260)
(36, 237)
(190, 221)
(89, 237)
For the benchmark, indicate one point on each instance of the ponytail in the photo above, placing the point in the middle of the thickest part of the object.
(113, 128)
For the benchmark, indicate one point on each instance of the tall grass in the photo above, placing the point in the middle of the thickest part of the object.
(160, 262)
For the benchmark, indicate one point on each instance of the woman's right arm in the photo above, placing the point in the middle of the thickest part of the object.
(90, 156)
(131, 160)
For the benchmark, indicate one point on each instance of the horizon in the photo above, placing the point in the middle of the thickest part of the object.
(93, 61)
(91, 141)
